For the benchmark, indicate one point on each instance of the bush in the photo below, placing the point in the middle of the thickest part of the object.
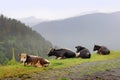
(12, 62)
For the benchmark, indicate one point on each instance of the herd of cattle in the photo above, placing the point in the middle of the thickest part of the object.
(81, 52)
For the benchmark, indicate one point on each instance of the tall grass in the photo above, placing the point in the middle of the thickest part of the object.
(13, 60)
(19, 69)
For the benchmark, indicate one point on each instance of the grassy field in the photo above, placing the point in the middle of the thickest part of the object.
(19, 69)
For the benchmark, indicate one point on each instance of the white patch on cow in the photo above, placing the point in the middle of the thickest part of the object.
(59, 57)
(87, 53)
(66, 48)
(33, 56)
(46, 65)
(47, 60)
(77, 54)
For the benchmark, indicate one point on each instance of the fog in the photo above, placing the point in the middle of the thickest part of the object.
(86, 30)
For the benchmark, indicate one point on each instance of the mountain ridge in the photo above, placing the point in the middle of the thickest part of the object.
(96, 28)
(31, 21)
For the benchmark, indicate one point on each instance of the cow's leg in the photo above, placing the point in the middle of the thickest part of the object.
(99, 52)
(38, 64)
(32, 64)
(25, 64)
(29, 64)
(56, 57)
(64, 55)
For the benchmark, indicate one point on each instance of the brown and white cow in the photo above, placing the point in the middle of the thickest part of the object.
(33, 60)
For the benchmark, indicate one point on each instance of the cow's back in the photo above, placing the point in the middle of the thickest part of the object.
(104, 50)
(85, 53)
(65, 53)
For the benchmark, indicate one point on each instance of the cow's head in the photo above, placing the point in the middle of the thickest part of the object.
(23, 57)
(79, 48)
(51, 52)
(96, 47)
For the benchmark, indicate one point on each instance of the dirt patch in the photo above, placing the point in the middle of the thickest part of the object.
(102, 70)
(113, 74)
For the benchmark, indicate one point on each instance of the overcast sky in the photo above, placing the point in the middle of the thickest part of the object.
(55, 9)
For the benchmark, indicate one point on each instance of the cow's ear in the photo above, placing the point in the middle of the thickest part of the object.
(27, 56)
(75, 46)
(52, 49)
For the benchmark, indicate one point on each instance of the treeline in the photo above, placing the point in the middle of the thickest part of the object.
(14, 34)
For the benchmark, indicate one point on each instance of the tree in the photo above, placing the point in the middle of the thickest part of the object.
(14, 34)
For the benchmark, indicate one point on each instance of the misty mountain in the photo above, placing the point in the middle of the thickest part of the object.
(85, 30)
(31, 21)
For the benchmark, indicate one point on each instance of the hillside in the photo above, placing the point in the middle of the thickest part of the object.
(14, 34)
(67, 69)
(86, 30)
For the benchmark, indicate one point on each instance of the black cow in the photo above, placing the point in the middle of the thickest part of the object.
(61, 53)
(82, 52)
(101, 50)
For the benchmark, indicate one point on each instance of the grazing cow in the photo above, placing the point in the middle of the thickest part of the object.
(101, 50)
(33, 60)
(61, 53)
(82, 52)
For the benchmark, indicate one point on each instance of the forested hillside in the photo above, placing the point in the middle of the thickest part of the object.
(14, 34)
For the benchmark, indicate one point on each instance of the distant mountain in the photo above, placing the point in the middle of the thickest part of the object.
(31, 21)
(14, 34)
(85, 30)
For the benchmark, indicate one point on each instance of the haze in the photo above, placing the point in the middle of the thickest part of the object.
(55, 9)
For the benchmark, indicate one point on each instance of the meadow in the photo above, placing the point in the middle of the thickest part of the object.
(20, 70)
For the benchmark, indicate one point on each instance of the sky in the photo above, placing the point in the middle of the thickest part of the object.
(56, 9)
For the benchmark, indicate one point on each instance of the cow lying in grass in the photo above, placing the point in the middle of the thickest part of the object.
(101, 50)
(61, 53)
(33, 60)
(82, 52)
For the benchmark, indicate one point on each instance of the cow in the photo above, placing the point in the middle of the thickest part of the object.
(33, 60)
(82, 52)
(61, 53)
(101, 50)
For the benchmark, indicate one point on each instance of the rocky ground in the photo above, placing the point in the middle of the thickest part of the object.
(112, 74)
(103, 70)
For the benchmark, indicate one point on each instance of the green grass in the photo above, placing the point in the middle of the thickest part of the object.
(74, 61)
(19, 70)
